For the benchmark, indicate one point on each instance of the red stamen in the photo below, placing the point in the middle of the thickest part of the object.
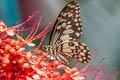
(24, 29)
(31, 32)
(37, 27)
(14, 27)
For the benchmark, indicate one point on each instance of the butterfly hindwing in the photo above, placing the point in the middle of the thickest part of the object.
(68, 25)
(77, 50)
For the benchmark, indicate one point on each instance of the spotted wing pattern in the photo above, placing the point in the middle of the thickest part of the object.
(68, 25)
(77, 50)
(66, 34)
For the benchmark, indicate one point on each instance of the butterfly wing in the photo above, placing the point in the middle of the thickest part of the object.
(77, 50)
(66, 34)
(68, 25)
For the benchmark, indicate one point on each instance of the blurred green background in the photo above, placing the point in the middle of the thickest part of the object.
(100, 19)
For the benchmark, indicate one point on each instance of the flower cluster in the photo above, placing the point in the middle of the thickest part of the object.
(18, 64)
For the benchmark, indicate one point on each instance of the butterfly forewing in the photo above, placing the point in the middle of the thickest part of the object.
(68, 25)
(65, 36)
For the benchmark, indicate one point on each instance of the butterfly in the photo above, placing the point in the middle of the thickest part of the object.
(65, 36)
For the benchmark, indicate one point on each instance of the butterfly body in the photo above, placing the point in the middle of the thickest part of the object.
(64, 40)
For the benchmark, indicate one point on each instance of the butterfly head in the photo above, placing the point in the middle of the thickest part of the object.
(46, 48)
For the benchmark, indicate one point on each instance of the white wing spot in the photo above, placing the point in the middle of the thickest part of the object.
(65, 14)
(77, 34)
(81, 47)
(76, 11)
(75, 20)
(65, 37)
(72, 6)
(84, 51)
(83, 44)
(68, 26)
(84, 58)
(76, 16)
(87, 48)
(62, 20)
(71, 10)
(78, 28)
(80, 59)
(69, 5)
(68, 31)
(82, 54)
(68, 22)
(63, 24)
(78, 4)
(88, 60)
(59, 27)
(81, 33)
(84, 62)
(88, 56)
(77, 24)
(76, 7)
(61, 13)
(79, 19)
(70, 15)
